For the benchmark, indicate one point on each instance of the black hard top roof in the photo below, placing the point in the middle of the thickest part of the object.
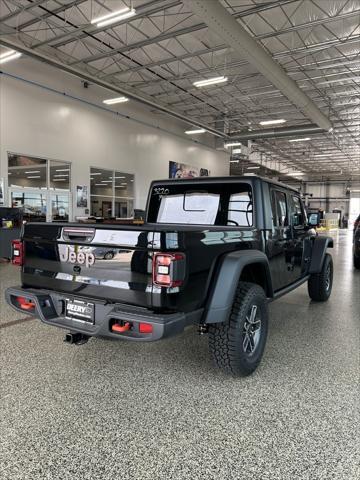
(229, 178)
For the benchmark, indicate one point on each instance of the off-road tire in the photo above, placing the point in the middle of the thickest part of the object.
(226, 338)
(357, 262)
(318, 287)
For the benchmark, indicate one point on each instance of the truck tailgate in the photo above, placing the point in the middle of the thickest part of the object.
(111, 262)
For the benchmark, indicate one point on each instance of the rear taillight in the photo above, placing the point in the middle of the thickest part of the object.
(17, 252)
(168, 269)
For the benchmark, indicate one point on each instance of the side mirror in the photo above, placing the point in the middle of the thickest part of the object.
(313, 220)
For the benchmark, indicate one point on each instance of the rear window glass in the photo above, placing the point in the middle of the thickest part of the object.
(207, 204)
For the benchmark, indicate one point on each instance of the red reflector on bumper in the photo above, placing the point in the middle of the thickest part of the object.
(145, 328)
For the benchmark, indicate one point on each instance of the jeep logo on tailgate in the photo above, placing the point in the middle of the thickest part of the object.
(82, 258)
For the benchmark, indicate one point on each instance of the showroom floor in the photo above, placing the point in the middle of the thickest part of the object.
(113, 410)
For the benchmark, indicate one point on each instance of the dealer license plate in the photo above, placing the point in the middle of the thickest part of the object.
(80, 310)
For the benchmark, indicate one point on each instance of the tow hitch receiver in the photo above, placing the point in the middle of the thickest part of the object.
(76, 338)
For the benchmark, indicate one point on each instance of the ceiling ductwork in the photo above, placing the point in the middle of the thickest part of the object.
(221, 22)
(278, 132)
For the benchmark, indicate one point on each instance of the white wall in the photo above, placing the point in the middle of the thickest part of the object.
(39, 122)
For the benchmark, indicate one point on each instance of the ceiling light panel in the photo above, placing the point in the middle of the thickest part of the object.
(113, 101)
(210, 81)
(9, 55)
(113, 17)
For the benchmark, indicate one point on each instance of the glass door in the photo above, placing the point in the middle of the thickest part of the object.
(59, 207)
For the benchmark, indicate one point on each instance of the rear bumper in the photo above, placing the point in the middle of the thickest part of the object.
(50, 308)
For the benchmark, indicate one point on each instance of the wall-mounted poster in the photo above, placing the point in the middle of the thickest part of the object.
(81, 196)
(182, 170)
(2, 191)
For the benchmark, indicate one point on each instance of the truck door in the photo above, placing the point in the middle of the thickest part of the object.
(297, 247)
(278, 240)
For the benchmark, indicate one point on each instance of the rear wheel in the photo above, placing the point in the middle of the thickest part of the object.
(109, 255)
(237, 345)
(320, 284)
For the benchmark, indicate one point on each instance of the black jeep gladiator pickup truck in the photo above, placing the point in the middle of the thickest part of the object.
(213, 251)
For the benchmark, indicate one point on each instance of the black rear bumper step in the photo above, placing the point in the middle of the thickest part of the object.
(50, 308)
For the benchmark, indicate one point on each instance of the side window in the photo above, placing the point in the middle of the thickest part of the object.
(279, 208)
(240, 210)
(297, 213)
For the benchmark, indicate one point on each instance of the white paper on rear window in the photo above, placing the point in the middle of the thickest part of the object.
(203, 211)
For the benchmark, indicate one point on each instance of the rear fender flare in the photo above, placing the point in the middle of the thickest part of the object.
(320, 245)
(227, 276)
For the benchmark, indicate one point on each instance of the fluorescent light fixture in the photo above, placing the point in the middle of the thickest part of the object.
(335, 65)
(327, 82)
(254, 167)
(61, 175)
(100, 185)
(34, 176)
(97, 173)
(232, 144)
(210, 81)
(62, 170)
(9, 55)
(296, 174)
(119, 177)
(236, 150)
(131, 180)
(234, 161)
(272, 122)
(195, 132)
(306, 139)
(113, 17)
(112, 101)
(106, 181)
(59, 180)
(33, 171)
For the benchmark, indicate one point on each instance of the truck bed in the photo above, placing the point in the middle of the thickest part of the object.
(121, 257)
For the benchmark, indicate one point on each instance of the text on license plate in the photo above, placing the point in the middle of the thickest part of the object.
(80, 310)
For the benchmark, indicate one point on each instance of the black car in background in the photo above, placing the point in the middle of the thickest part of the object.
(356, 243)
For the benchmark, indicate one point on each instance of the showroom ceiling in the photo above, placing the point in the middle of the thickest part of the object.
(163, 48)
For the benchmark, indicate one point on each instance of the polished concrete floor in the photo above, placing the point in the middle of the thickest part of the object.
(114, 410)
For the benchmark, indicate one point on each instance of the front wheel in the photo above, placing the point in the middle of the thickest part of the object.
(237, 345)
(320, 284)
